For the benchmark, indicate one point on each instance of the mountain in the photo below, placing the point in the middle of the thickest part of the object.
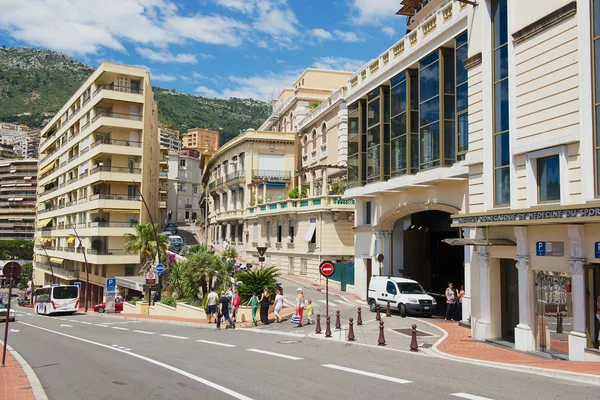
(34, 82)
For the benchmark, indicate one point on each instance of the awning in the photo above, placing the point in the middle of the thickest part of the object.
(116, 211)
(44, 222)
(5, 164)
(96, 211)
(311, 230)
(480, 242)
(71, 239)
(45, 241)
(46, 169)
(131, 282)
(27, 178)
(56, 260)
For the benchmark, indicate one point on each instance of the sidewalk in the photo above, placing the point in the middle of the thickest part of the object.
(302, 281)
(14, 383)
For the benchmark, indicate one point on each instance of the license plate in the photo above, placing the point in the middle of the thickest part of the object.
(426, 308)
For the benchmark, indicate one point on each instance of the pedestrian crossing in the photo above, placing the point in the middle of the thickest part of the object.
(336, 302)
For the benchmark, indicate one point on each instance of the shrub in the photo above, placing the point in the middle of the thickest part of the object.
(168, 300)
(294, 193)
(134, 301)
(255, 281)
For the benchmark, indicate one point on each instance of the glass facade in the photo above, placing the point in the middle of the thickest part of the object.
(596, 90)
(501, 120)
(419, 121)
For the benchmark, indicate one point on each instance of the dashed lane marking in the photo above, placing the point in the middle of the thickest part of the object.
(270, 353)
(104, 326)
(144, 332)
(273, 332)
(365, 373)
(174, 336)
(216, 343)
(469, 396)
(120, 328)
(85, 323)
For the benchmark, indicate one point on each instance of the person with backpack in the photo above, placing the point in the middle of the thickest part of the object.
(224, 311)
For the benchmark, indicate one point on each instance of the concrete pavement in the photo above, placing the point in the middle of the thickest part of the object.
(92, 356)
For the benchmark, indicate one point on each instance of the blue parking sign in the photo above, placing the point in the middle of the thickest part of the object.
(540, 249)
(597, 250)
(111, 285)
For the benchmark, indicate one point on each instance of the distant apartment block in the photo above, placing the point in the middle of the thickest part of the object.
(169, 138)
(26, 144)
(202, 140)
(184, 183)
(18, 184)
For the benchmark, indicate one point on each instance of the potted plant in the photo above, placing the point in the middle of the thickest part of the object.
(96, 245)
(294, 193)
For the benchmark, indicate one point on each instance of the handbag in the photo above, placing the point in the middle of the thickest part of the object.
(296, 319)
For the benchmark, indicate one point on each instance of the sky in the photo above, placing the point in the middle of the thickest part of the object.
(213, 48)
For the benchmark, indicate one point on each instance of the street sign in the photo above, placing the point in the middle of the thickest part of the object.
(150, 278)
(12, 270)
(261, 250)
(550, 249)
(159, 269)
(111, 285)
(327, 268)
(379, 258)
(78, 284)
(261, 259)
(597, 250)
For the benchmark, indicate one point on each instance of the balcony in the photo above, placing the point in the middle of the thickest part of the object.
(126, 170)
(163, 174)
(235, 176)
(333, 203)
(266, 174)
(110, 114)
(107, 252)
(188, 206)
(102, 196)
(125, 143)
(117, 88)
(61, 272)
(111, 224)
(162, 204)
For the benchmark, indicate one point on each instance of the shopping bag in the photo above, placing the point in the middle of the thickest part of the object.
(296, 319)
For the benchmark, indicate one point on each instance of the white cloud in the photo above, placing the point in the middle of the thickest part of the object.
(347, 36)
(244, 6)
(372, 12)
(208, 29)
(388, 30)
(166, 56)
(338, 63)
(276, 21)
(207, 92)
(163, 77)
(321, 34)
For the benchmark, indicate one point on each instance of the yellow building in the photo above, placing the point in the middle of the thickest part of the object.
(201, 139)
(97, 153)
(18, 186)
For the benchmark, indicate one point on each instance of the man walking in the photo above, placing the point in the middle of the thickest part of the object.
(211, 304)
(450, 302)
(224, 311)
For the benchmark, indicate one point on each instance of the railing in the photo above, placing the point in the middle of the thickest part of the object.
(335, 97)
(233, 176)
(188, 206)
(126, 143)
(112, 224)
(108, 252)
(73, 179)
(117, 88)
(110, 114)
(115, 169)
(271, 174)
(341, 201)
(61, 271)
(102, 196)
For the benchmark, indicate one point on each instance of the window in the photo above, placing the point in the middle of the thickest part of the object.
(82, 267)
(255, 233)
(313, 137)
(353, 144)
(462, 97)
(279, 231)
(324, 135)
(548, 179)
(96, 269)
(311, 232)
(268, 233)
(291, 230)
(129, 270)
(303, 266)
(596, 89)
(194, 215)
(429, 109)
(391, 288)
(195, 189)
(182, 162)
(501, 105)
(104, 271)
(180, 187)
(367, 216)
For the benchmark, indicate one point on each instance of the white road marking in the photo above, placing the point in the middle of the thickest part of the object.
(365, 373)
(104, 326)
(14, 330)
(269, 332)
(175, 336)
(120, 328)
(115, 345)
(145, 333)
(71, 320)
(270, 353)
(86, 323)
(152, 361)
(469, 396)
(216, 343)
(68, 326)
(322, 301)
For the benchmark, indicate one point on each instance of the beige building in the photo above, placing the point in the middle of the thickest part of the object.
(169, 138)
(18, 186)
(201, 140)
(97, 154)
(183, 188)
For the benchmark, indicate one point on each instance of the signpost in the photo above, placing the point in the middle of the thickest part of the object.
(597, 250)
(550, 249)
(379, 259)
(78, 284)
(160, 269)
(12, 272)
(327, 269)
(261, 254)
(111, 292)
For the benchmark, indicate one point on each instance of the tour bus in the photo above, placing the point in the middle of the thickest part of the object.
(57, 299)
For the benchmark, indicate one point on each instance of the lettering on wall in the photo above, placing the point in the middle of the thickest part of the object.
(528, 216)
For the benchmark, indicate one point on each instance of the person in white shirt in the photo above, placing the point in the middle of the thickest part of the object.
(211, 304)
(278, 305)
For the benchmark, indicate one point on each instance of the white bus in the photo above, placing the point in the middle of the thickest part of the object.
(57, 299)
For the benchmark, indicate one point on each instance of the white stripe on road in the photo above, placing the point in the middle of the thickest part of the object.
(119, 328)
(152, 361)
(216, 343)
(101, 325)
(469, 396)
(145, 333)
(322, 301)
(269, 332)
(174, 336)
(365, 373)
(270, 353)
(86, 323)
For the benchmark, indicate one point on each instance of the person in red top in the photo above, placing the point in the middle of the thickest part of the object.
(237, 300)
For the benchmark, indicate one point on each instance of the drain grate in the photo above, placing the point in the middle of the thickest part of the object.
(408, 331)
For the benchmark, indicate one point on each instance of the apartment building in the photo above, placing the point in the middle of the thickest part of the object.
(97, 155)
(18, 186)
(163, 185)
(26, 144)
(169, 138)
(201, 139)
(184, 182)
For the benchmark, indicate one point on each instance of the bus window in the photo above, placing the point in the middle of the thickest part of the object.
(65, 292)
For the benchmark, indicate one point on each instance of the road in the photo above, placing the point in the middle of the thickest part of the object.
(101, 357)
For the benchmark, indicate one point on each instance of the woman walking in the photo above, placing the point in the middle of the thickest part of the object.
(461, 294)
(264, 306)
(278, 305)
(254, 307)
(300, 305)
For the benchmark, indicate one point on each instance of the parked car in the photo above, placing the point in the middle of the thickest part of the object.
(167, 233)
(4, 311)
(118, 306)
(171, 226)
(405, 295)
(239, 267)
(176, 244)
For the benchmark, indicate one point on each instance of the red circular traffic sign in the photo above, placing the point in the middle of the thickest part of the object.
(327, 268)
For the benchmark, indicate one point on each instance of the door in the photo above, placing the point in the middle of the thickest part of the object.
(592, 305)
(134, 139)
(553, 311)
(510, 298)
(369, 268)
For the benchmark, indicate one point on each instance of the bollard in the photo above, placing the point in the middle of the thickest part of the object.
(318, 328)
(359, 319)
(328, 327)
(413, 342)
(338, 324)
(378, 316)
(381, 340)
(388, 310)
(351, 337)
(559, 322)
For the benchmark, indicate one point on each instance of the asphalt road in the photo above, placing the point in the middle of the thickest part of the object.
(101, 357)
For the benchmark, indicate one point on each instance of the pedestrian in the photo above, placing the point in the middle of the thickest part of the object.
(155, 298)
(264, 306)
(300, 305)
(211, 304)
(461, 294)
(230, 295)
(253, 307)
(450, 302)
(598, 315)
(278, 305)
(309, 312)
(237, 300)
(224, 311)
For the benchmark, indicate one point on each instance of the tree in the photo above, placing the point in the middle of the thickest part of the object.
(26, 274)
(143, 241)
(202, 270)
(176, 279)
(231, 252)
(254, 281)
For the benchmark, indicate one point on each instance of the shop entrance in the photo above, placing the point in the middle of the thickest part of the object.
(553, 312)
(592, 305)
(509, 276)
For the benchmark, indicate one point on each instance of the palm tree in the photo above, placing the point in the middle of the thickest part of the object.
(201, 271)
(143, 242)
(197, 248)
(177, 278)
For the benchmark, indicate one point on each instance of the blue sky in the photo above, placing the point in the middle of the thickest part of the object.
(215, 48)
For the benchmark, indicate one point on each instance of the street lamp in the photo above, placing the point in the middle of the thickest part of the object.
(87, 267)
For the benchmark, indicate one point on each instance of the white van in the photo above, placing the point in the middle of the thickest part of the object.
(405, 295)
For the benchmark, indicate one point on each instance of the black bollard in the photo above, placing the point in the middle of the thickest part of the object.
(388, 310)
(378, 315)
(338, 323)
(381, 340)
(351, 337)
(318, 328)
(359, 319)
(413, 341)
(559, 322)
(328, 327)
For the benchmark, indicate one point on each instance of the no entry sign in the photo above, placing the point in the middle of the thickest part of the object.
(327, 269)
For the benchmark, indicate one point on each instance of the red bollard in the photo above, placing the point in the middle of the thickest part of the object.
(359, 319)
(381, 340)
(388, 310)
(378, 316)
(318, 328)
(351, 337)
(328, 327)
(338, 323)
(413, 342)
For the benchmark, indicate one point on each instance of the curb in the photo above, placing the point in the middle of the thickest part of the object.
(547, 372)
(36, 386)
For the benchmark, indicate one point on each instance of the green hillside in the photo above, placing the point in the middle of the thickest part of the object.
(36, 81)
